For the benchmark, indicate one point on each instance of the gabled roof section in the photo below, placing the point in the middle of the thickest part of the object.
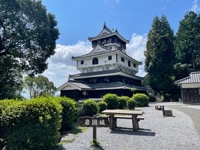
(73, 85)
(99, 86)
(103, 74)
(98, 50)
(106, 32)
(193, 78)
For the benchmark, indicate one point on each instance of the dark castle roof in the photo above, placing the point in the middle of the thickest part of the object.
(106, 34)
(105, 86)
(102, 73)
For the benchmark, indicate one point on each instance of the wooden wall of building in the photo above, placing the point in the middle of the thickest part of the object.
(191, 95)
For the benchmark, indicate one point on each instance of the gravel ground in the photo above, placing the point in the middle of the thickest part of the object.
(157, 132)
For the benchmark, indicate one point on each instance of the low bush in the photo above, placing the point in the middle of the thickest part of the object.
(131, 104)
(111, 100)
(123, 101)
(4, 104)
(90, 107)
(142, 100)
(69, 112)
(32, 124)
(102, 106)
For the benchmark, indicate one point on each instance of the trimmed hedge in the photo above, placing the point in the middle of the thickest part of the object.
(142, 100)
(69, 112)
(131, 104)
(32, 124)
(111, 100)
(3, 105)
(123, 101)
(90, 107)
(102, 106)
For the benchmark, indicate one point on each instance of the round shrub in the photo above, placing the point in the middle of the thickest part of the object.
(102, 106)
(131, 104)
(32, 124)
(90, 107)
(111, 100)
(69, 112)
(142, 100)
(122, 101)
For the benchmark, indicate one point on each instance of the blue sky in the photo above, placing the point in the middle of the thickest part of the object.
(80, 19)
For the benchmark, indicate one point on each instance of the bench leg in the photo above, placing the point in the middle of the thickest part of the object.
(135, 123)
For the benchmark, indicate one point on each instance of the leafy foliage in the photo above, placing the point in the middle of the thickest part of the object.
(39, 86)
(141, 100)
(187, 45)
(131, 104)
(69, 112)
(90, 107)
(27, 40)
(123, 101)
(111, 100)
(32, 124)
(160, 56)
(102, 106)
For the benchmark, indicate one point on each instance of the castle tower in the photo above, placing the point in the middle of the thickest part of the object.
(106, 69)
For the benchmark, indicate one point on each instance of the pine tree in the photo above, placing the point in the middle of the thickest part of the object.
(187, 45)
(160, 56)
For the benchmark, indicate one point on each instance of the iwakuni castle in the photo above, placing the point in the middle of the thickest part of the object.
(106, 69)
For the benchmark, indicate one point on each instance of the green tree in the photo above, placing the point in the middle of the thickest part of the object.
(39, 86)
(27, 39)
(160, 56)
(187, 45)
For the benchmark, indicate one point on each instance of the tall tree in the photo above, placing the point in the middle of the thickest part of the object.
(160, 56)
(27, 39)
(187, 45)
(39, 86)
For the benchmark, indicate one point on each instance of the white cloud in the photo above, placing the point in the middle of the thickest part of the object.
(61, 64)
(195, 6)
(136, 49)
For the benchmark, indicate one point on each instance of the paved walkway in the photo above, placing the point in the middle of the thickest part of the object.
(156, 132)
(193, 111)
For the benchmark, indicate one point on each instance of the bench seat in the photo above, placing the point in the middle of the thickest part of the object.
(128, 117)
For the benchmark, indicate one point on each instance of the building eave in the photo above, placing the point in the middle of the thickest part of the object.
(108, 35)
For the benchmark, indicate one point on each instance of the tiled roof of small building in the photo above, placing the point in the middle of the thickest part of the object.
(193, 78)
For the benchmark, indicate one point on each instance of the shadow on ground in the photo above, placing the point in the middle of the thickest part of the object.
(128, 131)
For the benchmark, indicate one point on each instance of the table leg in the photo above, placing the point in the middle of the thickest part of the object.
(112, 122)
(135, 123)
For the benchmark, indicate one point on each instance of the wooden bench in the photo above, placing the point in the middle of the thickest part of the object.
(126, 117)
(167, 113)
(159, 107)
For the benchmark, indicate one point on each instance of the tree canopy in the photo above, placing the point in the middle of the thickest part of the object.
(187, 45)
(27, 39)
(39, 86)
(160, 56)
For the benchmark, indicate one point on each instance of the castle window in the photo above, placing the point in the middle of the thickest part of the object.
(129, 63)
(122, 59)
(109, 57)
(134, 65)
(82, 62)
(95, 61)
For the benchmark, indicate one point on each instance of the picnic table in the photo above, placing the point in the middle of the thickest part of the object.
(134, 116)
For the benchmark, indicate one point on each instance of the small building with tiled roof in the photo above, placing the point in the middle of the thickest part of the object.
(190, 88)
(106, 69)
